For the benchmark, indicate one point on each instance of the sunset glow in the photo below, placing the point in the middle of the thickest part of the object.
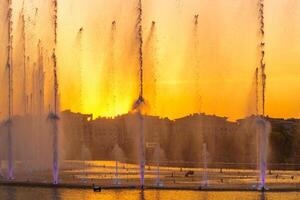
(187, 71)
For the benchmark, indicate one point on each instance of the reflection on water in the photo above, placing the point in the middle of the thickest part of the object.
(22, 193)
(157, 195)
(104, 173)
(11, 193)
(204, 196)
(142, 195)
(55, 194)
(263, 196)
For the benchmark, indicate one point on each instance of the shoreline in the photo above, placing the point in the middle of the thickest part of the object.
(215, 188)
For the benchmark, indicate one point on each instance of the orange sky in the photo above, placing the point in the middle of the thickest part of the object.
(210, 69)
(223, 55)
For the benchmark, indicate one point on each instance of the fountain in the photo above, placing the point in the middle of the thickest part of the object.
(54, 114)
(196, 60)
(138, 106)
(205, 173)
(151, 63)
(40, 82)
(256, 91)
(263, 129)
(9, 66)
(24, 78)
(24, 58)
(262, 49)
(139, 26)
(35, 116)
(157, 158)
(118, 155)
(26, 126)
(111, 65)
(140, 102)
(78, 49)
(54, 121)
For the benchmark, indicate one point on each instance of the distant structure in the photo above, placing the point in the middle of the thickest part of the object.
(179, 139)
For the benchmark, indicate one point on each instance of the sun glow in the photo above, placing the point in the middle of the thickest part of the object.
(187, 69)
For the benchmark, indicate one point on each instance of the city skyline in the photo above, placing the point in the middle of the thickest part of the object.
(209, 68)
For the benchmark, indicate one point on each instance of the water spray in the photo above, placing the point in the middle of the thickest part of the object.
(40, 79)
(262, 126)
(79, 43)
(139, 103)
(196, 57)
(140, 41)
(256, 90)
(24, 57)
(111, 59)
(54, 115)
(196, 17)
(262, 51)
(54, 57)
(9, 66)
(150, 49)
(205, 171)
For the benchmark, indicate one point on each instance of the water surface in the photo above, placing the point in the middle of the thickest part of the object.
(24, 193)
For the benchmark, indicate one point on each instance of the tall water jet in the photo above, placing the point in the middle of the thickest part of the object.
(140, 102)
(196, 62)
(113, 44)
(262, 52)
(79, 88)
(23, 29)
(9, 66)
(157, 157)
(263, 129)
(38, 98)
(53, 116)
(118, 156)
(40, 81)
(262, 126)
(139, 26)
(111, 70)
(205, 173)
(256, 91)
(78, 52)
(148, 61)
(151, 61)
(138, 106)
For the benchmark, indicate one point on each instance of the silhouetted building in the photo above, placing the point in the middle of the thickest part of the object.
(180, 140)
